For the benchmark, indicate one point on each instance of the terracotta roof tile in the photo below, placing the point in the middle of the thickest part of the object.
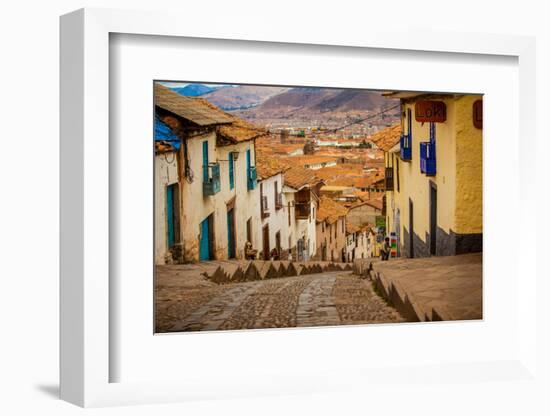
(203, 113)
(297, 177)
(188, 108)
(330, 210)
(387, 138)
(268, 166)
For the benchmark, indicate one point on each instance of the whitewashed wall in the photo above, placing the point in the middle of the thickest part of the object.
(166, 173)
(278, 218)
(196, 207)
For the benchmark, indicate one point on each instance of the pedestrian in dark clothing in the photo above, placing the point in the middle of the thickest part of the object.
(386, 249)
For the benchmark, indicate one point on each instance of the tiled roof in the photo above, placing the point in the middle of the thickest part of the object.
(387, 138)
(313, 159)
(203, 113)
(268, 166)
(352, 228)
(239, 130)
(375, 203)
(188, 108)
(330, 210)
(297, 177)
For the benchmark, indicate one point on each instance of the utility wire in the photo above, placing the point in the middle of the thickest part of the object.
(369, 117)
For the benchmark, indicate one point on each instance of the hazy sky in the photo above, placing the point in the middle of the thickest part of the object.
(183, 84)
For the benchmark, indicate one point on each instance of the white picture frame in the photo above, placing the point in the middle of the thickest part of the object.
(86, 291)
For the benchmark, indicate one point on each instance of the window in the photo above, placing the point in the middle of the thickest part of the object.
(397, 172)
(289, 214)
(205, 161)
(231, 171)
(249, 230)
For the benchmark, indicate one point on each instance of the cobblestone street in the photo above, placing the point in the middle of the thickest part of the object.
(192, 303)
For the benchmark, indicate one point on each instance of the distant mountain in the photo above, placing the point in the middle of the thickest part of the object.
(323, 100)
(296, 98)
(352, 100)
(193, 90)
(241, 96)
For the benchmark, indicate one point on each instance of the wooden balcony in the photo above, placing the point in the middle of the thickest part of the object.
(212, 185)
(388, 178)
(302, 210)
(251, 178)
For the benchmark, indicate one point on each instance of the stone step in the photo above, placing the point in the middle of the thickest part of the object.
(291, 270)
(251, 272)
(218, 276)
(266, 269)
(303, 269)
(279, 268)
(233, 271)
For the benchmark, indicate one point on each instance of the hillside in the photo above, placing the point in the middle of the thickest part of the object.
(324, 99)
(193, 90)
(242, 96)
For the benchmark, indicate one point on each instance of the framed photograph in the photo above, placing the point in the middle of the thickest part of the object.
(284, 213)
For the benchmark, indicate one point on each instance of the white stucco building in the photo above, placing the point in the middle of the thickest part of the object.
(218, 196)
(301, 198)
(167, 235)
(273, 213)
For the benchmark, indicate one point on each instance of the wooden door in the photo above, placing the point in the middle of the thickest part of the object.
(205, 246)
(170, 216)
(231, 233)
(265, 232)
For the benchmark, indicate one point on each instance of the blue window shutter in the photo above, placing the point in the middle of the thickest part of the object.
(231, 172)
(205, 161)
(170, 215)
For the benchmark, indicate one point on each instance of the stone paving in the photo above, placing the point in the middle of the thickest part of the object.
(433, 288)
(187, 301)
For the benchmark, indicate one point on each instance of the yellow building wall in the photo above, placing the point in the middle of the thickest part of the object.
(458, 175)
(469, 161)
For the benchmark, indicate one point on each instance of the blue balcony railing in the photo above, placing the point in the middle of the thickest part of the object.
(427, 158)
(211, 186)
(252, 177)
(406, 147)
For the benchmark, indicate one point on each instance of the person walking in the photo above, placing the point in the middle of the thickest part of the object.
(385, 250)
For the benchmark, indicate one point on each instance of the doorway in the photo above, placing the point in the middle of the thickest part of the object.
(206, 251)
(411, 229)
(231, 233)
(278, 244)
(172, 215)
(265, 234)
(433, 219)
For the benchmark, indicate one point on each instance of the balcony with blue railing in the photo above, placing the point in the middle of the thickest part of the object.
(211, 182)
(406, 147)
(252, 177)
(427, 158)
